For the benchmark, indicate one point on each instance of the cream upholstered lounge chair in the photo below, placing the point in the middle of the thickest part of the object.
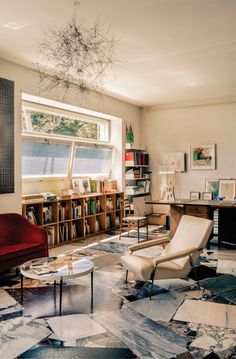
(178, 256)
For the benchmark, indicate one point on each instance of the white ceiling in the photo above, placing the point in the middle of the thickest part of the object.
(169, 51)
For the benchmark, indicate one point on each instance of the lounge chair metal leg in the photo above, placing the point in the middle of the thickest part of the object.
(152, 279)
(126, 276)
(150, 297)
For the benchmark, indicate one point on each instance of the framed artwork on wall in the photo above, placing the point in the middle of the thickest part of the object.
(227, 189)
(202, 157)
(175, 160)
(194, 195)
(212, 185)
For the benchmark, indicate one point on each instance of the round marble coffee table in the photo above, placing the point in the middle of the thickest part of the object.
(57, 269)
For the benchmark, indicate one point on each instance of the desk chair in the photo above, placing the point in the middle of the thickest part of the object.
(130, 221)
(178, 257)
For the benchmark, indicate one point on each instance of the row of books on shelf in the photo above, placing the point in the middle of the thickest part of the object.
(64, 234)
(140, 187)
(63, 212)
(136, 158)
(76, 210)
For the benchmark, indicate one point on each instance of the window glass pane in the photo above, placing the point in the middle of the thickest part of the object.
(44, 159)
(40, 122)
(92, 161)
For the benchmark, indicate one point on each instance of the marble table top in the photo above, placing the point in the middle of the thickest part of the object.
(54, 268)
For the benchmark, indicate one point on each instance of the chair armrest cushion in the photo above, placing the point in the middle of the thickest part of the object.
(176, 255)
(149, 243)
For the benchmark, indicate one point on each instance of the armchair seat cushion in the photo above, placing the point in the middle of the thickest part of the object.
(19, 249)
(142, 266)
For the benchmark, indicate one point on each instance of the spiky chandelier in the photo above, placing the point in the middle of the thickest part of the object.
(77, 56)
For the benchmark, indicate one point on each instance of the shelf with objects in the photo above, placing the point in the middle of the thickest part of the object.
(75, 217)
(137, 174)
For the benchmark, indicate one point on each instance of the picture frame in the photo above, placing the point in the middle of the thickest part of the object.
(227, 189)
(175, 160)
(212, 185)
(207, 196)
(81, 185)
(202, 157)
(194, 195)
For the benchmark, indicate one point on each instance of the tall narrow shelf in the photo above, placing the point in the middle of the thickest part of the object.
(137, 174)
(77, 217)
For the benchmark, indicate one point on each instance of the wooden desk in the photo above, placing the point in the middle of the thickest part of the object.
(204, 209)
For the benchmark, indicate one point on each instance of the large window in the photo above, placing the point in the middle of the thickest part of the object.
(46, 122)
(94, 160)
(50, 146)
(44, 159)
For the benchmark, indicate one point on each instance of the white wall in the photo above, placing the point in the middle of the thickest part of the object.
(26, 80)
(175, 129)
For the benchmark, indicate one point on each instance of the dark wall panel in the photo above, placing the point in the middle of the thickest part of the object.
(6, 136)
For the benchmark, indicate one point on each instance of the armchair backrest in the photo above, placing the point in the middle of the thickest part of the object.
(192, 232)
(14, 228)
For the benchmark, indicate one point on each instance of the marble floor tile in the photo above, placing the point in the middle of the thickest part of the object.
(138, 290)
(196, 311)
(226, 267)
(75, 300)
(223, 254)
(12, 312)
(72, 327)
(144, 337)
(111, 246)
(20, 334)
(6, 300)
(101, 278)
(204, 342)
(72, 353)
(162, 306)
(224, 286)
(106, 260)
(174, 284)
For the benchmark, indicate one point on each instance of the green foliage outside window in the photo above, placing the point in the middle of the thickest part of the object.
(41, 122)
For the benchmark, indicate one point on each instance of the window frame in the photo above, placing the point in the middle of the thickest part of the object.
(71, 140)
(91, 145)
(70, 115)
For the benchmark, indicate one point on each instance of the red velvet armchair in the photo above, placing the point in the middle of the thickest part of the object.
(20, 241)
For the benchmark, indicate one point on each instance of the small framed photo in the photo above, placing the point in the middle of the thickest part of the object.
(194, 195)
(207, 195)
(212, 185)
(202, 157)
(81, 185)
(227, 189)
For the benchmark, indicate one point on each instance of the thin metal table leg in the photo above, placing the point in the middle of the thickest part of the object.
(92, 291)
(55, 295)
(138, 231)
(147, 227)
(21, 289)
(61, 285)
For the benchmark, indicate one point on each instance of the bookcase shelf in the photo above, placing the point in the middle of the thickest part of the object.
(76, 218)
(137, 176)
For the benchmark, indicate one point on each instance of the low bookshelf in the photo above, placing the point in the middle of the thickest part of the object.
(75, 217)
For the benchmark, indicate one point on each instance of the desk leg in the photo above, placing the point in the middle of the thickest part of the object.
(147, 227)
(61, 286)
(138, 230)
(21, 289)
(92, 291)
